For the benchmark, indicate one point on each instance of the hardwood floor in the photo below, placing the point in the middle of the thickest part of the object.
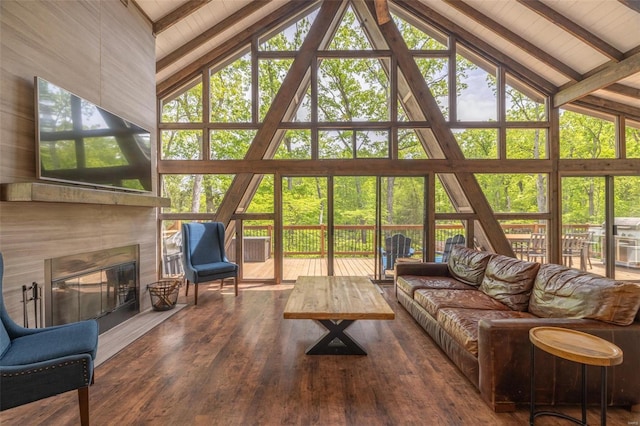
(236, 361)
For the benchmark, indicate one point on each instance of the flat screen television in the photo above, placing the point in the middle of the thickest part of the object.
(80, 143)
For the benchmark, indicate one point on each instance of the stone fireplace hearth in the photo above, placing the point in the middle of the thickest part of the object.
(102, 285)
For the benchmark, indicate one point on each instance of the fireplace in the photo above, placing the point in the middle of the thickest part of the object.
(101, 285)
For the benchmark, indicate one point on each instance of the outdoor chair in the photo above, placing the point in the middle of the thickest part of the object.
(537, 248)
(43, 362)
(203, 256)
(396, 246)
(448, 245)
(575, 245)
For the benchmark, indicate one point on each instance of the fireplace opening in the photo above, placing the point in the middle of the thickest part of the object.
(101, 285)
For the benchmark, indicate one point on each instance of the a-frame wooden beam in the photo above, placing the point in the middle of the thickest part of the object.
(200, 39)
(443, 135)
(574, 29)
(177, 14)
(412, 109)
(319, 33)
(609, 75)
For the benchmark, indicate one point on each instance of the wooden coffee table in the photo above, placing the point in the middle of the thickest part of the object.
(336, 303)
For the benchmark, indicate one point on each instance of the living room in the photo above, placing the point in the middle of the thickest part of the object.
(106, 52)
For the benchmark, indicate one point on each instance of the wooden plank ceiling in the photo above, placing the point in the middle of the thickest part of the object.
(581, 51)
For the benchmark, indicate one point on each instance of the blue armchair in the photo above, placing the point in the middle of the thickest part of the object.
(39, 363)
(203, 255)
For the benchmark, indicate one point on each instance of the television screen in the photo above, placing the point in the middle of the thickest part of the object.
(79, 142)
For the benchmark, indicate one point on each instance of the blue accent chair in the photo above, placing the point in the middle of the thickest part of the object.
(203, 255)
(39, 363)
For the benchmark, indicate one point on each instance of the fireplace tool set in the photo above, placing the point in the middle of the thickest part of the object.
(32, 294)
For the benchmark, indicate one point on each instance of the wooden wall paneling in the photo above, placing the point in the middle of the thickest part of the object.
(100, 51)
(127, 72)
(25, 54)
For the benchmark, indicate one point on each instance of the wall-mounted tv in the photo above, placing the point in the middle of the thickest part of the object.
(79, 142)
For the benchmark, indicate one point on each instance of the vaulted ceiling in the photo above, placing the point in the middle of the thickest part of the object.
(585, 52)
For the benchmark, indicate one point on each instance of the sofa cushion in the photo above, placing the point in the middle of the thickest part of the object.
(410, 283)
(560, 292)
(468, 265)
(462, 324)
(509, 280)
(433, 300)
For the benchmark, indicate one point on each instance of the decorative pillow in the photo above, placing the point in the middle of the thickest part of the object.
(510, 281)
(468, 265)
(560, 292)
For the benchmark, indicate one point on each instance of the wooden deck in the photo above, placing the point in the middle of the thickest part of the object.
(365, 267)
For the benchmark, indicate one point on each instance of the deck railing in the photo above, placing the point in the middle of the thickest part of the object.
(359, 240)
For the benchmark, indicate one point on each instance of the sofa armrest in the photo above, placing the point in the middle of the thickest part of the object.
(427, 269)
(504, 357)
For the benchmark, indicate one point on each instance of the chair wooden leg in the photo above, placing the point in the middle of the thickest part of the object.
(196, 294)
(186, 291)
(235, 284)
(221, 283)
(83, 400)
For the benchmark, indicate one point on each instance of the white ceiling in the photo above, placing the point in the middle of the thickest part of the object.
(611, 21)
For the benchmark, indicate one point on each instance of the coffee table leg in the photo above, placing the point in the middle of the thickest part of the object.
(336, 330)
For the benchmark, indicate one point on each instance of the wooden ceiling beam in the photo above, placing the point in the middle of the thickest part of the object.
(609, 107)
(632, 4)
(574, 29)
(623, 90)
(201, 39)
(177, 14)
(422, 11)
(382, 12)
(605, 77)
(514, 38)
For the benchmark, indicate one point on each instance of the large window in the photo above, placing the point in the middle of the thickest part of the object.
(351, 106)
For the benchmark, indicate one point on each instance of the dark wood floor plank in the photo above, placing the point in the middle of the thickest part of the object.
(235, 361)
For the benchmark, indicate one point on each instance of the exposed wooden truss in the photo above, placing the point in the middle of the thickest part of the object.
(240, 39)
(177, 14)
(607, 77)
(211, 32)
(574, 29)
(603, 78)
(632, 4)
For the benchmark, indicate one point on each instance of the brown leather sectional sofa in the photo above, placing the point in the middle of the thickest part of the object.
(479, 308)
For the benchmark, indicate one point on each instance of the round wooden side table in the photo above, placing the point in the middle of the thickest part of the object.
(579, 347)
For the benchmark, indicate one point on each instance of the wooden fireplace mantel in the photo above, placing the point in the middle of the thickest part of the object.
(52, 193)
